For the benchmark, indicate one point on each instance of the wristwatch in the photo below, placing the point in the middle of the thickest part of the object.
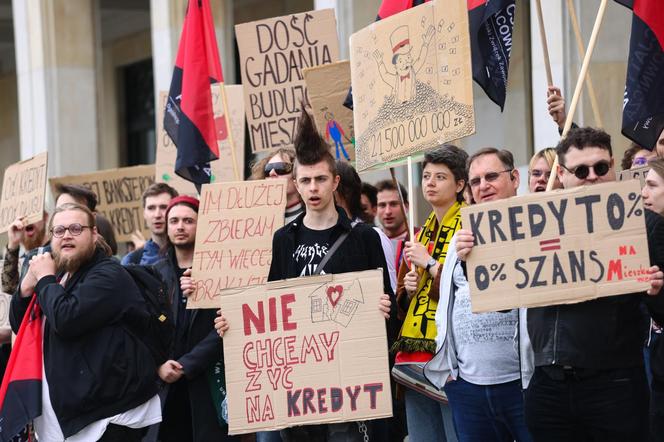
(430, 263)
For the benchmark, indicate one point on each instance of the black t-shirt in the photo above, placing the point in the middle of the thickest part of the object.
(312, 246)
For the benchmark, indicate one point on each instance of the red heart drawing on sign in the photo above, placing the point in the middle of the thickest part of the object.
(334, 290)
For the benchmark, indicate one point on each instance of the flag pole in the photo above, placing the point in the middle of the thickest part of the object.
(411, 224)
(231, 140)
(545, 46)
(582, 52)
(579, 85)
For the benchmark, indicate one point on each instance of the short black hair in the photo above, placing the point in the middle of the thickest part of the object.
(389, 185)
(350, 188)
(582, 137)
(310, 147)
(371, 192)
(452, 157)
(82, 194)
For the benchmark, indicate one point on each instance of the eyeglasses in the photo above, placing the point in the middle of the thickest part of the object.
(537, 173)
(601, 168)
(280, 168)
(489, 178)
(75, 229)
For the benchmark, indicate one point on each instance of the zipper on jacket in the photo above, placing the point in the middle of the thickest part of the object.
(555, 336)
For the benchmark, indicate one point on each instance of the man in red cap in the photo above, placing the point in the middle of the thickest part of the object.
(189, 411)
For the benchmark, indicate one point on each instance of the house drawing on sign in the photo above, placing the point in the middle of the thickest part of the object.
(336, 303)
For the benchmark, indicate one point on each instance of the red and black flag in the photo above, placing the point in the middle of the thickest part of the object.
(21, 390)
(643, 103)
(189, 117)
(491, 23)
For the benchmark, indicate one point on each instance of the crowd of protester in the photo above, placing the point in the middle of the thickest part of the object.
(591, 371)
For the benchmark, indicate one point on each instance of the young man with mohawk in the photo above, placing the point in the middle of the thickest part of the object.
(299, 247)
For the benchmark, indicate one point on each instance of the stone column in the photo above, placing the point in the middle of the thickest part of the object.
(55, 66)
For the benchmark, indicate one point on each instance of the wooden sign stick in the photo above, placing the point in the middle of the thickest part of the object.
(411, 217)
(229, 128)
(582, 53)
(545, 46)
(579, 85)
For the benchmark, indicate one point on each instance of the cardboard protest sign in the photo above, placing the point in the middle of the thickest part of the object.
(412, 83)
(557, 247)
(4, 310)
(222, 169)
(306, 350)
(327, 87)
(233, 248)
(638, 173)
(273, 53)
(119, 196)
(23, 191)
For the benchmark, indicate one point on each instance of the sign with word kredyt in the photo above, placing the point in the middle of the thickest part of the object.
(412, 83)
(119, 196)
(23, 191)
(306, 351)
(557, 247)
(273, 53)
(236, 222)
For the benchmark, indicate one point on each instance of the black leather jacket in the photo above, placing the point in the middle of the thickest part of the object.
(604, 333)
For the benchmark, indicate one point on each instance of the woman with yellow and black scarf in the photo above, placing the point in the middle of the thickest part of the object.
(444, 178)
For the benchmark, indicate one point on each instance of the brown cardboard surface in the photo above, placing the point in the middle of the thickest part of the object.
(327, 87)
(559, 247)
(119, 195)
(324, 337)
(401, 113)
(638, 173)
(236, 222)
(273, 53)
(222, 169)
(23, 191)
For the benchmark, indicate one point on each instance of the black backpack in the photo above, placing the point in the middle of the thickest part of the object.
(158, 331)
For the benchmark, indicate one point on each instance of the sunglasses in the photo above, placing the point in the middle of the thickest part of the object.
(75, 229)
(280, 168)
(640, 161)
(601, 168)
(489, 178)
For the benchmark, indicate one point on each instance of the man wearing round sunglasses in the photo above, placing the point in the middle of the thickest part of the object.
(589, 381)
(280, 165)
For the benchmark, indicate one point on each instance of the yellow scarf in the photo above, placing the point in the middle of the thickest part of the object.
(418, 331)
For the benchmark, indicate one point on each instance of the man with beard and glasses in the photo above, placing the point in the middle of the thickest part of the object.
(189, 408)
(98, 379)
(155, 202)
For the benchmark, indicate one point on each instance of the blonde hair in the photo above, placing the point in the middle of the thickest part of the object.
(549, 154)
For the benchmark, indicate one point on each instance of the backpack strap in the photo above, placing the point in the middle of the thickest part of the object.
(331, 251)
